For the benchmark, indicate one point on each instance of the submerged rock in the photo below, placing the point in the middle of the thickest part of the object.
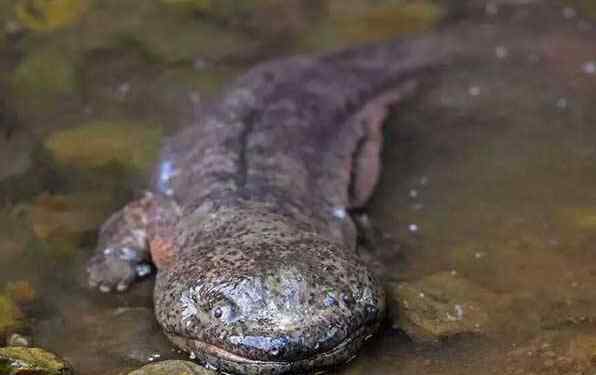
(353, 21)
(11, 317)
(134, 336)
(47, 15)
(283, 16)
(99, 143)
(68, 218)
(147, 26)
(25, 361)
(43, 75)
(439, 306)
(173, 368)
(15, 151)
(583, 348)
(21, 291)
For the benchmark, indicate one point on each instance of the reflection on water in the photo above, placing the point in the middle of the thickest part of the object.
(488, 174)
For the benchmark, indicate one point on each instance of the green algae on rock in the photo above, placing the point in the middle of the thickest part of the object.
(25, 361)
(11, 317)
(172, 367)
(99, 143)
(439, 306)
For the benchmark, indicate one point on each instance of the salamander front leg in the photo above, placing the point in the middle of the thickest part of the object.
(123, 251)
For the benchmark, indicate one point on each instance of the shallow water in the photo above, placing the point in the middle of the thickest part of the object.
(487, 174)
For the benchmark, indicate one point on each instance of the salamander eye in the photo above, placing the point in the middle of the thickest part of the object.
(223, 311)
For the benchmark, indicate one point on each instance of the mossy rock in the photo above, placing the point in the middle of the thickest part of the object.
(97, 144)
(173, 368)
(26, 361)
(48, 15)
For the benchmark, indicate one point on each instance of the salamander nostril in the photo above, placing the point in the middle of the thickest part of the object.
(347, 299)
(279, 346)
(371, 312)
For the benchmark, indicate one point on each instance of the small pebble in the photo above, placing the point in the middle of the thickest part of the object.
(474, 91)
(502, 52)
(104, 289)
(491, 9)
(569, 12)
(413, 228)
(18, 340)
(589, 67)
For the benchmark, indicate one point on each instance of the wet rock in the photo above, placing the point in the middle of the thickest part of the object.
(18, 340)
(47, 15)
(11, 317)
(97, 144)
(439, 306)
(173, 368)
(24, 361)
(66, 219)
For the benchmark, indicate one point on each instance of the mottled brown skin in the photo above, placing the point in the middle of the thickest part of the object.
(247, 224)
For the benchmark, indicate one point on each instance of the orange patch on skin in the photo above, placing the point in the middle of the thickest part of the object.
(162, 252)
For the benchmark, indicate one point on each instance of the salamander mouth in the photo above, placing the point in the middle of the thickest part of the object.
(224, 360)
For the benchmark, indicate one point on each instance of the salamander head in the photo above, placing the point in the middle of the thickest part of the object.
(268, 303)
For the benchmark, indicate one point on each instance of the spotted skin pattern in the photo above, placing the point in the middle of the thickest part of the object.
(247, 224)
